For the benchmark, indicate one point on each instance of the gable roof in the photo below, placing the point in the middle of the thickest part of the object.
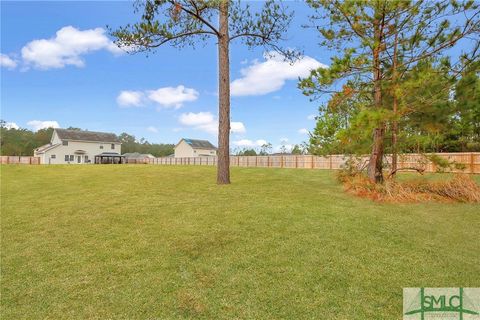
(46, 147)
(199, 144)
(81, 135)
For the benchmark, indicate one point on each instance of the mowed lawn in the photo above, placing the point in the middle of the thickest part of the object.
(160, 242)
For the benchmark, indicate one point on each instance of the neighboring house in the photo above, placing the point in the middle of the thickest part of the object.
(137, 157)
(194, 148)
(76, 146)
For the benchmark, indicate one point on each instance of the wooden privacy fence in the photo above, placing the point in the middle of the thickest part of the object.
(19, 160)
(470, 161)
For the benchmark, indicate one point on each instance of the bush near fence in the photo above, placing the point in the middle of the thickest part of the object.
(470, 160)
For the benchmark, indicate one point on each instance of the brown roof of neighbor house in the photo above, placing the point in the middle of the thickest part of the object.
(80, 135)
(199, 144)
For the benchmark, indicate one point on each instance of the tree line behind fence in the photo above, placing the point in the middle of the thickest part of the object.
(468, 162)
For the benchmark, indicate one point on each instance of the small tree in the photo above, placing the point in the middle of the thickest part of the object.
(381, 41)
(183, 22)
(297, 149)
(266, 149)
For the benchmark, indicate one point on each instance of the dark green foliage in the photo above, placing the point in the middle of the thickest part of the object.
(131, 144)
(297, 149)
(22, 142)
(247, 152)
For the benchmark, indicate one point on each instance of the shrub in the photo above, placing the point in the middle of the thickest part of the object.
(461, 188)
(443, 165)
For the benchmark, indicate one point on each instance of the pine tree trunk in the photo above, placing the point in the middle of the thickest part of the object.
(375, 164)
(223, 166)
(394, 137)
(395, 106)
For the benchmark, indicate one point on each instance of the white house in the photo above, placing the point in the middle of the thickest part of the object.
(194, 148)
(79, 147)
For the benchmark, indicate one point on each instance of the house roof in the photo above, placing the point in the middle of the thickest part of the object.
(199, 144)
(46, 147)
(137, 155)
(109, 154)
(80, 135)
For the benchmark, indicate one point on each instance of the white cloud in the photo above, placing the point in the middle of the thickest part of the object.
(207, 122)
(7, 62)
(270, 75)
(38, 124)
(11, 125)
(303, 131)
(204, 121)
(173, 96)
(66, 48)
(152, 129)
(195, 119)
(249, 143)
(237, 127)
(130, 99)
(311, 117)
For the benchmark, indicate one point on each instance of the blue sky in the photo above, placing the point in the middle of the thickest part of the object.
(58, 66)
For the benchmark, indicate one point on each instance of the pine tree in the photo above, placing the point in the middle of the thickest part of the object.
(187, 22)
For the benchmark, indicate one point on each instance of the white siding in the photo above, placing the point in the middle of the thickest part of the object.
(183, 150)
(74, 148)
(55, 138)
(204, 153)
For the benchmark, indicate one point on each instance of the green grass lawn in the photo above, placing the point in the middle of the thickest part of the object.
(160, 242)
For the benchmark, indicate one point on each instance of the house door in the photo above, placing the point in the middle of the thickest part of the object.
(79, 159)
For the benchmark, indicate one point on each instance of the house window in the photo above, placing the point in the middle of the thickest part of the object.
(113, 146)
(101, 147)
(65, 143)
(71, 157)
(66, 157)
(53, 156)
(86, 158)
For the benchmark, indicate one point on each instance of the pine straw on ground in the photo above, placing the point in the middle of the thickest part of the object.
(460, 188)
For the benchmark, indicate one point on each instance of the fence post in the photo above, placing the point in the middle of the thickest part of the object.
(256, 161)
(330, 158)
(472, 167)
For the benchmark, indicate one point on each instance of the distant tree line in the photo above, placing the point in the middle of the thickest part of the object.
(22, 142)
(131, 144)
(267, 149)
